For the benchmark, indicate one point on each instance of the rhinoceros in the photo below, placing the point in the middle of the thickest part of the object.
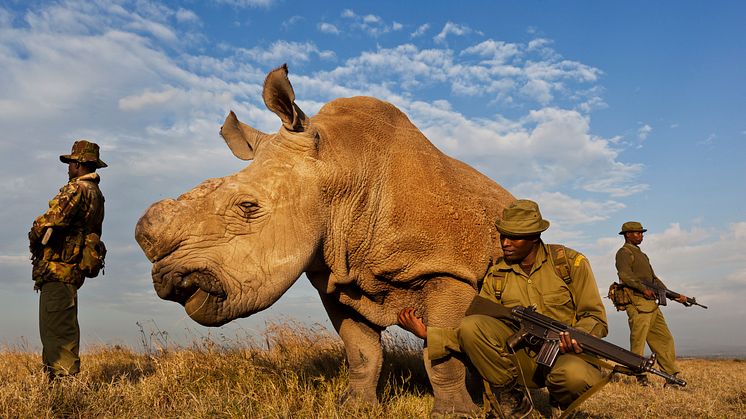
(355, 197)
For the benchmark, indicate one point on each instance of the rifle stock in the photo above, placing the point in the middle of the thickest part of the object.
(538, 329)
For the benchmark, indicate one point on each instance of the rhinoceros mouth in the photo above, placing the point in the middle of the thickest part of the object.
(181, 285)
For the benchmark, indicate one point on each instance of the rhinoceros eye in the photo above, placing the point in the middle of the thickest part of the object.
(249, 209)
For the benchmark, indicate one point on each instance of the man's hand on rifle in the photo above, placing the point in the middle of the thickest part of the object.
(648, 293)
(409, 321)
(568, 344)
(683, 299)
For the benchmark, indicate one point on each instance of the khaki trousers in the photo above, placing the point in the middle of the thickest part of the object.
(483, 339)
(59, 330)
(651, 328)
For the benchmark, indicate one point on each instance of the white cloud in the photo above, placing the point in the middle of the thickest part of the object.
(420, 30)
(504, 73)
(292, 21)
(283, 51)
(451, 28)
(539, 90)
(498, 52)
(187, 16)
(371, 19)
(135, 102)
(328, 28)
(709, 140)
(644, 131)
(539, 43)
(548, 149)
(370, 24)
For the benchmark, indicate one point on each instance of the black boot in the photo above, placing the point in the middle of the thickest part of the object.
(514, 401)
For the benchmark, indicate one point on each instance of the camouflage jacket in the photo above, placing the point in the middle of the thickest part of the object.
(78, 209)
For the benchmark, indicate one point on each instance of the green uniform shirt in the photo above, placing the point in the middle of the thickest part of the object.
(633, 266)
(577, 303)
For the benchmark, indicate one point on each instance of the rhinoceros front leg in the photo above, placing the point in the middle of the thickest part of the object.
(445, 308)
(362, 347)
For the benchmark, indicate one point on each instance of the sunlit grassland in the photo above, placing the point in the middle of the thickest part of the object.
(299, 371)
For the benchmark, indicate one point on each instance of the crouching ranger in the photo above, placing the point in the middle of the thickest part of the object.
(559, 282)
(66, 248)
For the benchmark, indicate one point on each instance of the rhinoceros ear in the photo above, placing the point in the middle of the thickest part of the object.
(241, 138)
(279, 97)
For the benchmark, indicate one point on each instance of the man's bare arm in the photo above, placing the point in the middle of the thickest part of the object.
(409, 321)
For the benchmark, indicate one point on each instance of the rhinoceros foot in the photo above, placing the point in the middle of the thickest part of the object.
(352, 395)
(457, 407)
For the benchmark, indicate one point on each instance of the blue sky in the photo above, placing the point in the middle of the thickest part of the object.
(601, 112)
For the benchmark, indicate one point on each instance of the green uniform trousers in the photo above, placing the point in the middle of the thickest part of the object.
(484, 338)
(59, 330)
(651, 328)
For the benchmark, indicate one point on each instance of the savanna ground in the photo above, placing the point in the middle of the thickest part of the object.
(296, 371)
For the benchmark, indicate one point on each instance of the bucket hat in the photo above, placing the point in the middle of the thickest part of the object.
(521, 218)
(83, 151)
(631, 227)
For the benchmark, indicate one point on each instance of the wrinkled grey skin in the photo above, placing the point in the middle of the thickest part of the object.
(358, 199)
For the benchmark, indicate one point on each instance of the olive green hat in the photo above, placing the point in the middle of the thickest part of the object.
(631, 227)
(83, 151)
(521, 218)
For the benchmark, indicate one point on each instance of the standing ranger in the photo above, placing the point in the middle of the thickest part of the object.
(646, 322)
(66, 248)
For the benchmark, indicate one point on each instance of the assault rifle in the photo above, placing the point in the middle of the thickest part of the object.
(662, 293)
(538, 329)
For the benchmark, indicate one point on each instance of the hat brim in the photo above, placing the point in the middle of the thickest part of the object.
(507, 229)
(68, 158)
(633, 231)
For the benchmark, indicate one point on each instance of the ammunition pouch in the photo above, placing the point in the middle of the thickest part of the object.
(71, 248)
(620, 295)
(92, 256)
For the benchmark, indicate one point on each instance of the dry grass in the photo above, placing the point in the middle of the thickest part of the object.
(295, 371)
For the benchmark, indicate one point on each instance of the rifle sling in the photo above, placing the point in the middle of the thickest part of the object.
(487, 307)
(599, 385)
